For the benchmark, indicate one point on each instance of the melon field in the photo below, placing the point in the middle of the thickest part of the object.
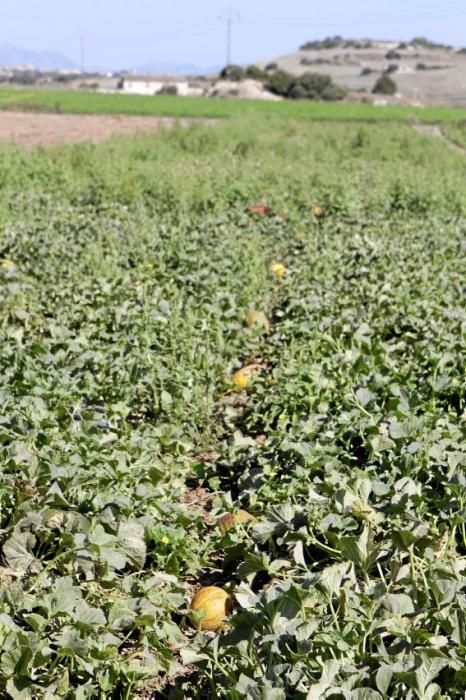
(265, 315)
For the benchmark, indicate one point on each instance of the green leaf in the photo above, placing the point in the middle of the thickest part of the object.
(383, 678)
(365, 694)
(429, 663)
(70, 643)
(17, 551)
(363, 396)
(19, 688)
(330, 580)
(398, 603)
(131, 542)
(87, 617)
(245, 596)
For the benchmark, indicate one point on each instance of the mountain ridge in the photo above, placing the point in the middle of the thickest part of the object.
(12, 56)
(15, 56)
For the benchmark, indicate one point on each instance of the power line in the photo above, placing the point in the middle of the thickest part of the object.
(189, 30)
(452, 9)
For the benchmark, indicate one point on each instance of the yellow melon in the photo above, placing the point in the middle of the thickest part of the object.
(278, 269)
(242, 377)
(211, 605)
(230, 520)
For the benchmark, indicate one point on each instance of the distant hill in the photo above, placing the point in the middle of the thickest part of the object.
(16, 56)
(424, 71)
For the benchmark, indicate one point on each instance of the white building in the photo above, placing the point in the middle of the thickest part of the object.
(153, 84)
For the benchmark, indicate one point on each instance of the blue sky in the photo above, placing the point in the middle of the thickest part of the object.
(126, 33)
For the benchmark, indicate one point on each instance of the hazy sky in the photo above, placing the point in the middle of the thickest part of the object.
(125, 33)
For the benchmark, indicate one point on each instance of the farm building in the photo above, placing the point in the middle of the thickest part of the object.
(153, 84)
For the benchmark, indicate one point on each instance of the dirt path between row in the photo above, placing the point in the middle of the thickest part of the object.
(434, 130)
(37, 129)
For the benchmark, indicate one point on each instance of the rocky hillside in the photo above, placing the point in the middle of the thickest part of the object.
(425, 72)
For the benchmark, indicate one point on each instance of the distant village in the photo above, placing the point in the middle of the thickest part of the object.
(126, 82)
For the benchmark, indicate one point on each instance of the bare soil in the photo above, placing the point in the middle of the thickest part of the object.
(198, 499)
(37, 129)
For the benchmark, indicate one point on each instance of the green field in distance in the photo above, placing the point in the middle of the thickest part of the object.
(79, 102)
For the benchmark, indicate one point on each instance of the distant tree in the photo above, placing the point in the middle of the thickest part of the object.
(331, 42)
(314, 61)
(256, 73)
(424, 66)
(393, 55)
(271, 66)
(392, 68)
(88, 86)
(280, 82)
(315, 86)
(233, 72)
(421, 41)
(333, 93)
(385, 86)
(428, 44)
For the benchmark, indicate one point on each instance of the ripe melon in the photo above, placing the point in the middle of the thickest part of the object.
(278, 269)
(214, 604)
(242, 377)
(260, 209)
(230, 520)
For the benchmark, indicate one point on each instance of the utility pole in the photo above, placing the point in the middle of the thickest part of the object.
(82, 56)
(231, 15)
(229, 25)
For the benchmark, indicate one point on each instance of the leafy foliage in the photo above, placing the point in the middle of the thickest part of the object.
(309, 86)
(233, 72)
(386, 85)
(315, 86)
(128, 272)
(336, 42)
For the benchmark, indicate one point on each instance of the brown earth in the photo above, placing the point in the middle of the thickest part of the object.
(34, 129)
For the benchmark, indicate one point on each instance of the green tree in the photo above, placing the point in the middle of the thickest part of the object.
(280, 82)
(233, 72)
(256, 73)
(385, 86)
(315, 86)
